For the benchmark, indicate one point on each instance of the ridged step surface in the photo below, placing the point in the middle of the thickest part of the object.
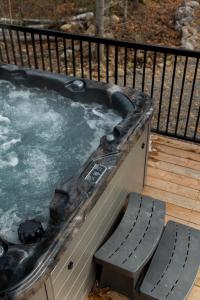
(136, 237)
(175, 264)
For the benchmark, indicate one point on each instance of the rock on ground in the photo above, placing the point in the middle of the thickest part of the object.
(106, 294)
(184, 18)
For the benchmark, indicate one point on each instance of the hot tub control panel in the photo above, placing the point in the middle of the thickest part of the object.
(96, 173)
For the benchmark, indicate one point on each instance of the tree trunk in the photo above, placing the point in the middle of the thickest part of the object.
(136, 3)
(99, 17)
(125, 10)
(100, 7)
(10, 10)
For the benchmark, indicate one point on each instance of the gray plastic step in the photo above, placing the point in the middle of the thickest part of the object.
(126, 253)
(175, 264)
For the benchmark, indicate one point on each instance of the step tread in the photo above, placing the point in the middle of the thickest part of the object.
(175, 264)
(136, 237)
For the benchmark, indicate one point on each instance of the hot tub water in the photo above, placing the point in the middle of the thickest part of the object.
(44, 139)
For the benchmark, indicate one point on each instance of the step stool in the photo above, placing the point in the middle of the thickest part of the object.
(175, 264)
(125, 255)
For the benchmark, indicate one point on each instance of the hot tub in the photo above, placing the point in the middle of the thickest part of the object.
(50, 255)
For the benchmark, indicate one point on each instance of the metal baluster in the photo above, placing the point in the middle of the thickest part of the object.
(196, 127)
(116, 64)
(42, 52)
(12, 46)
(171, 93)
(20, 48)
(6, 46)
(81, 57)
(57, 55)
(1, 55)
(134, 67)
(34, 50)
(98, 62)
(153, 74)
(161, 92)
(181, 95)
(144, 70)
(90, 60)
(125, 65)
(27, 50)
(65, 56)
(107, 63)
(49, 52)
(191, 97)
(73, 59)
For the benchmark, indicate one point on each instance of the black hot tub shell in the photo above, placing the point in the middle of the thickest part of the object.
(83, 210)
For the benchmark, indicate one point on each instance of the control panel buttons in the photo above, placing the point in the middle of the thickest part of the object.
(96, 173)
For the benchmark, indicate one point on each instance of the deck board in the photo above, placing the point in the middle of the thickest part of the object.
(178, 189)
(173, 176)
(171, 197)
(177, 182)
(181, 180)
(172, 168)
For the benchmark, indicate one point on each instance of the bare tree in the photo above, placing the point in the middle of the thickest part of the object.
(10, 11)
(136, 2)
(100, 17)
(125, 10)
(100, 8)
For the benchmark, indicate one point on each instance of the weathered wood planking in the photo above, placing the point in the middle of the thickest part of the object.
(177, 152)
(198, 279)
(183, 213)
(195, 293)
(175, 143)
(179, 179)
(176, 160)
(163, 184)
(172, 198)
(173, 176)
(170, 167)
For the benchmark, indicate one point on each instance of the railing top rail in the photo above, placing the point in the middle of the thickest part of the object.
(105, 41)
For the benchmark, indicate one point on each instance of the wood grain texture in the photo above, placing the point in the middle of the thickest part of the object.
(167, 186)
(198, 279)
(175, 143)
(173, 176)
(182, 180)
(171, 198)
(176, 152)
(173, 159)
(188, 215)
(170, 167)
(194, 294)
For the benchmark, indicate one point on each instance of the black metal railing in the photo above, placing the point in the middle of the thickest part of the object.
(171, 76)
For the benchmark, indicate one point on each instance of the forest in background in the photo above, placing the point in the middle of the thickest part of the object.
(148, 21)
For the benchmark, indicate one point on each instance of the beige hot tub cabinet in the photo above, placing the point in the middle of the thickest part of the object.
(74, 274)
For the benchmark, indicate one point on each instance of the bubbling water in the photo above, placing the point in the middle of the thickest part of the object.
(44, 139)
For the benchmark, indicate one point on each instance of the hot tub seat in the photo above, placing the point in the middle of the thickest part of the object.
(154, 264)
(125, 254)
(175, 264)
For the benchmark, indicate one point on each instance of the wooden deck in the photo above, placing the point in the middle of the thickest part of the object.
(173, 176)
